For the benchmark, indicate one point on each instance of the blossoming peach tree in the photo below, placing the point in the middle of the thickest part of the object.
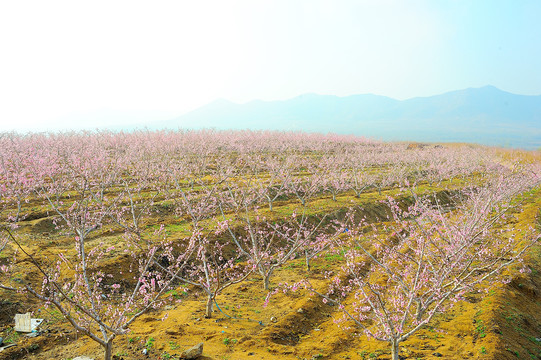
(85, 197)
(398, 275)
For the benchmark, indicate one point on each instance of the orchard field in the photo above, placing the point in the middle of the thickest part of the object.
(268, 245)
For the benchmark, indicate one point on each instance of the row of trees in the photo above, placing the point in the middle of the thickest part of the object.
(215, 184)
(309, 166)
(404, 272)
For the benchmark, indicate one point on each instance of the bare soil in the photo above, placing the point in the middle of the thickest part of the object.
(503, 323)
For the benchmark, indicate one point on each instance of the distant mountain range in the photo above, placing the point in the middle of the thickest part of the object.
(484, 115)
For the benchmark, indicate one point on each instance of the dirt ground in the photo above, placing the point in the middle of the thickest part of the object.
(503, 323)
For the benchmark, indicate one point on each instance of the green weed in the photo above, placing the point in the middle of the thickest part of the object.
(150, 343)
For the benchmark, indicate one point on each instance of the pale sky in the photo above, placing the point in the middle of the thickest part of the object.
(63, 59)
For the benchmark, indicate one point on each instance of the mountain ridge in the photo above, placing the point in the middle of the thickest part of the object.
(485, 115)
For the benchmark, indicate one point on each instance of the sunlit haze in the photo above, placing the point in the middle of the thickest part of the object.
(71, 64)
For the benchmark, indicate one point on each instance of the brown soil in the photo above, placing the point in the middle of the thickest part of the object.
(503, 323)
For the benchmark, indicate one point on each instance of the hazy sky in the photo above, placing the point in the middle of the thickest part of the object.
(62, 59)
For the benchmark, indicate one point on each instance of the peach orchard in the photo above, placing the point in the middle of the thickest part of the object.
(398, 272)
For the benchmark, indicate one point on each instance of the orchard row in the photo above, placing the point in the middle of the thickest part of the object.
(267, 166)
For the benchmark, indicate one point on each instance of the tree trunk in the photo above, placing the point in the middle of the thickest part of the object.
(266, 279)
(307, 260)
(18, 211)
(266, 282)
(109, 350)
(394, 350)
(420, 311)
(208, 310)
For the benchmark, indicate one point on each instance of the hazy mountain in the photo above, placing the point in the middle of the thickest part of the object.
(484, 115)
